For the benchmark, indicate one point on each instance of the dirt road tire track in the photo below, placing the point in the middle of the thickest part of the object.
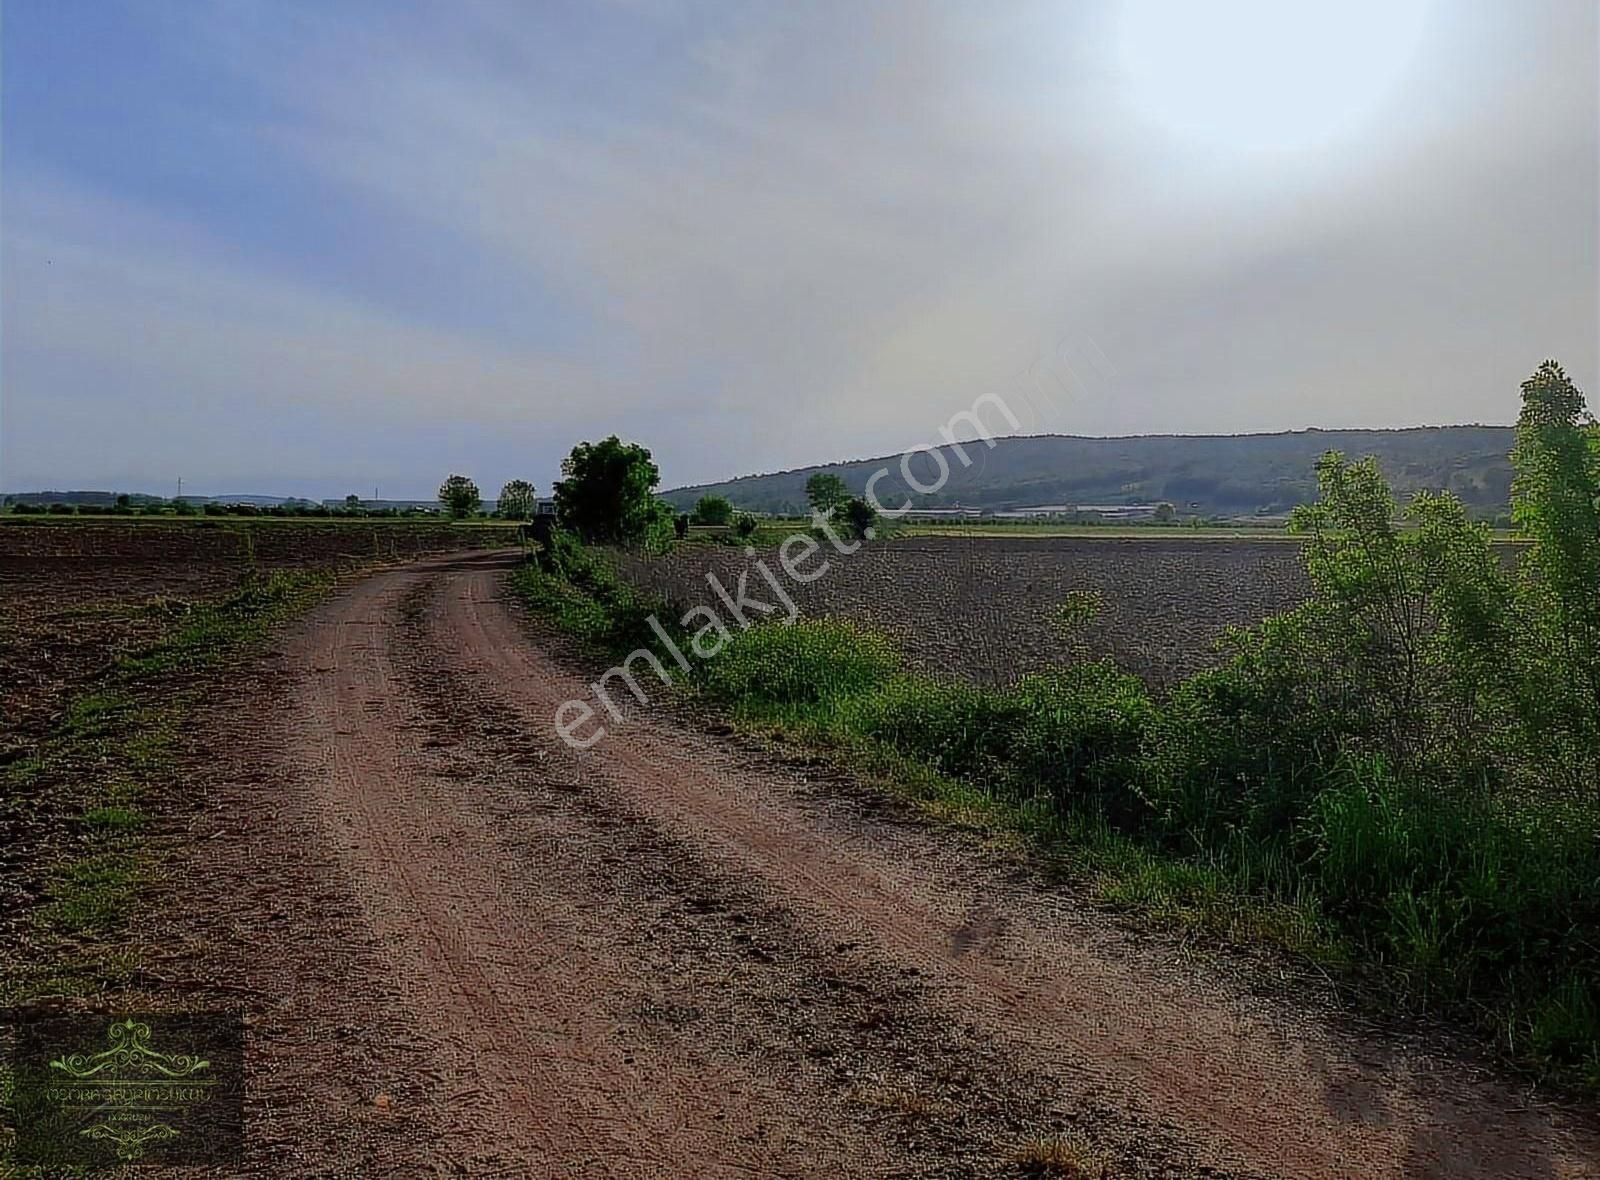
(470, 950)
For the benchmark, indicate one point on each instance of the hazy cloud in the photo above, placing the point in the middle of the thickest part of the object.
(390, 242)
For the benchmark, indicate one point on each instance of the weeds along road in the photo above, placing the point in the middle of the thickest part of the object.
(470, 950)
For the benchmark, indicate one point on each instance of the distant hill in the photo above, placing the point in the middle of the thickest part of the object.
(1213, 475)
(90, 498)
(101, 499)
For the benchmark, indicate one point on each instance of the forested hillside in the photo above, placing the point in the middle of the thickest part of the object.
(1209, 474)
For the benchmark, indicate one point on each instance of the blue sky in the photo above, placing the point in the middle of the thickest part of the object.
(321, 247)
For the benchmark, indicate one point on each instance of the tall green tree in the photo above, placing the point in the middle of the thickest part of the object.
(607, 494)
(517, 500)
(460, 497)
(826, 491)
(1556, 502)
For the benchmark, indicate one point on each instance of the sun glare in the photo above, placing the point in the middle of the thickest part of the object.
(1265, 75)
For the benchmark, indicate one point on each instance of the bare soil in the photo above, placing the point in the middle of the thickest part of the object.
(76, 595)
(466, 949)
(980, 608)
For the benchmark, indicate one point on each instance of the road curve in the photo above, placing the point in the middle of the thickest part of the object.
(470, 950)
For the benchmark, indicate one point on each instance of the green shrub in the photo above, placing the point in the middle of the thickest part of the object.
(1082, 736)
(804, 663)
(962, 730)
(580, 587)
(860, 517)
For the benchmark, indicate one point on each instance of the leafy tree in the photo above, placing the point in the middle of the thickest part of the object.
(1556, 503)
(352, 503)
(745, 526)
(713, 510)
(517, 500)
(825, 491)
(861, 517)
(1165, 513)
(1403, 641)
(459, 495)
(607, 494)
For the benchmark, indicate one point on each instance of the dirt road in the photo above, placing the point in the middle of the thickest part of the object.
(469, 950)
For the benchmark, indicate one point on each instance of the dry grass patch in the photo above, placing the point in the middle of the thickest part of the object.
(900, 1099)
(1064, 1158)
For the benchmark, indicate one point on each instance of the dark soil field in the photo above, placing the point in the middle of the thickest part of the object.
(981, 608)
(76, 595)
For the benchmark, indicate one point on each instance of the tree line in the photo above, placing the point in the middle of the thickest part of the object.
(607, 496)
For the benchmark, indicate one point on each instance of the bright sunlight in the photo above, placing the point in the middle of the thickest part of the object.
(1263, 75)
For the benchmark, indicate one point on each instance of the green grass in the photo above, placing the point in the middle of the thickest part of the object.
(946, 747)
(113, 818)
(92, 894)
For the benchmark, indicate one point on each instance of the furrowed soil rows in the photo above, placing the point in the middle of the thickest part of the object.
(980, 608)
(75, 595)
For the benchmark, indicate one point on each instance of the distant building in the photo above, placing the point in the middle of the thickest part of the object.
(1035, 512)
(939, 514)
(1079, 512)
(1118, 511)
(396, 505)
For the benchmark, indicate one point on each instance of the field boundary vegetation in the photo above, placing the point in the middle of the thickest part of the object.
(1399, 778)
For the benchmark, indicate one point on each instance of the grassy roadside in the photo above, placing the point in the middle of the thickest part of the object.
(1463, 906)
(609, 617)
(1196, 897)
(79, 803)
